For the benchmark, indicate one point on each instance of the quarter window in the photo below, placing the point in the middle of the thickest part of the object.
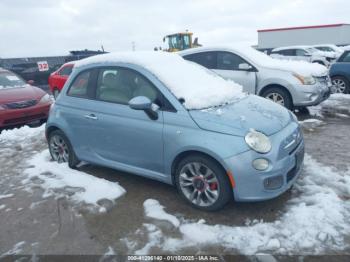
(80, 85)
(119, 85)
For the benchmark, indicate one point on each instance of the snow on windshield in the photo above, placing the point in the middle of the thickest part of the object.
(300, 67)
(194, 83)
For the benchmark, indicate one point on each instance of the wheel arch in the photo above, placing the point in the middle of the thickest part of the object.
(263, 90)
(187, 153)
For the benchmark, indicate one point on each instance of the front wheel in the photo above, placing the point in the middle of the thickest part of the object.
(61, 149)
(203, 183)
(279, 96)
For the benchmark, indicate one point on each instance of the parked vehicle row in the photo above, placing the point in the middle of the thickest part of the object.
(289, 84)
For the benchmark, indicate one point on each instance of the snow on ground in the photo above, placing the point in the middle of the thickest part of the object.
(311, 123)
(197, 85)
(336, 104)
(57, 178)
(154, 210)
(315, 221)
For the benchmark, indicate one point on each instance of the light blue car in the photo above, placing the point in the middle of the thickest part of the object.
(157, 115)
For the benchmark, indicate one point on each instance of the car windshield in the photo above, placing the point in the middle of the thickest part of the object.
(325, 48)
(10, 80)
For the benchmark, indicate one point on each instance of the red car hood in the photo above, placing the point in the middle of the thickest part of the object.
(20, 94)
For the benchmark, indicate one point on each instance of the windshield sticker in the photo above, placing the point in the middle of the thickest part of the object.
(12, 78)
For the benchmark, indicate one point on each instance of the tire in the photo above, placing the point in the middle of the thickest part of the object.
(215, 185)
(279, 96)
(340, 85)
(61, 149)
(55, 93)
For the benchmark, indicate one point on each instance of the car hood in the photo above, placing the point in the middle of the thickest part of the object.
(251, 112)
(26, 92)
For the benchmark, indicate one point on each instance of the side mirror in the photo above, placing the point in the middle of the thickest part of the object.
(245, 66)
(145, 104)
(30, 82)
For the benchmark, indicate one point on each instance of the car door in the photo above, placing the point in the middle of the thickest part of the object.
(233, 67)
(124, 137)
(302, 55)
(226, 64)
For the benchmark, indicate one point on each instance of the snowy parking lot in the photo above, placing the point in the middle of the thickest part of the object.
(47, 208)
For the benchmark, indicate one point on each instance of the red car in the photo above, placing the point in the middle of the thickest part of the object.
(58, 78)
(21, 103)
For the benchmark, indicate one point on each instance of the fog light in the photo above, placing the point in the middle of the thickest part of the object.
(273, 182)
(260, 164)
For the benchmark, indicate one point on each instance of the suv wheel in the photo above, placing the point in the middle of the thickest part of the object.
(203, 183)
(279, 96)
(340, 85)
(61, 149)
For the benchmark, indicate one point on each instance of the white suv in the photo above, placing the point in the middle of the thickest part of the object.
(304, 53)
(289, 83)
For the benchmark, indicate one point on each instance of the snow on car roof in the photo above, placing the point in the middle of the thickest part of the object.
(260, 59)
(198, 86)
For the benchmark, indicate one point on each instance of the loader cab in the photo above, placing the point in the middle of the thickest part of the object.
(178, 42)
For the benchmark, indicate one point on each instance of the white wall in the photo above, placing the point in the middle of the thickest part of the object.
(339, 35)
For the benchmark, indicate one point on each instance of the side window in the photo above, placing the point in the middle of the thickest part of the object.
(119, 85)
(206, 59)
(79, 86)
(66, 71)
(300, 52)
(229, 61)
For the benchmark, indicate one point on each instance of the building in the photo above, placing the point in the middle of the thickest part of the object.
(338, 34)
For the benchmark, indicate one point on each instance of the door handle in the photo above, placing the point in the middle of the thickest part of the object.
(91, 116)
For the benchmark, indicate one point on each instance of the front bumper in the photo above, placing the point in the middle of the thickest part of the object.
(312, 95)
(285, 165)
(29, 115)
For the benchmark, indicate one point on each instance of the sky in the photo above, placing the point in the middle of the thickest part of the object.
(54, 27)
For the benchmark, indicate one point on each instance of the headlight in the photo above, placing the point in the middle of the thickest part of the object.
(305, 80)
(258, 141)
(45, 99)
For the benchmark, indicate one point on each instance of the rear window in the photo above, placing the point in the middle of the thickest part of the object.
(10, 80)
(66, 71)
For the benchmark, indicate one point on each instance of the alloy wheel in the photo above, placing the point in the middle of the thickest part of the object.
(276, 97)
(59, 149)
(199, 184)
(339, 85)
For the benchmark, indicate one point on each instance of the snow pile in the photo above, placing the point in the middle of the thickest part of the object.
(337, 103)
(154, 210)
(311, 123)
(198, 86)
(315, 221)
(81, 186)
(21, 134)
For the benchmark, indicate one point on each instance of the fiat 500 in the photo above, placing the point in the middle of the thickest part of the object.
(160, 116)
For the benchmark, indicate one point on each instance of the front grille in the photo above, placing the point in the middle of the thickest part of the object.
(24, 119)
(21, 104)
